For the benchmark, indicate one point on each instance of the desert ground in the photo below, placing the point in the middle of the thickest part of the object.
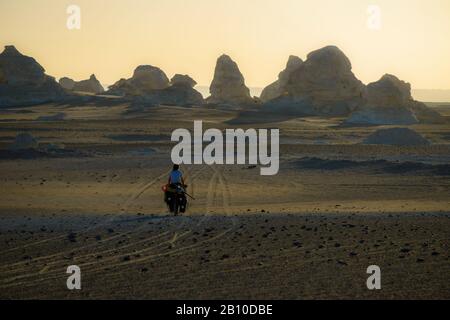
(336, 207)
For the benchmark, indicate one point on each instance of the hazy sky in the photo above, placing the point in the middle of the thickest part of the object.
(187, 36)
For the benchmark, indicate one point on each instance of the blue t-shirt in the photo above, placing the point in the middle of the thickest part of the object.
(175, 176)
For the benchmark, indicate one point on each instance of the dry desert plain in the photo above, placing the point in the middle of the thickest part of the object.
(336, 207)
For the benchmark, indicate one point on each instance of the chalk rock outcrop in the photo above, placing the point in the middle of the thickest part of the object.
(389, 102)
(180, 93)
(150, 85)
(181, 80)
(145, 79)
(323, 85)
(150, 78)
(23, 81)
(91, 85)
(175, 95)
(228, 86)
(396, 137)
(278, 88)
(67, 83)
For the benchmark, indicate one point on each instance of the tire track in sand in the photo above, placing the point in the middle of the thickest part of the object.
(216, 178)
(141, 190)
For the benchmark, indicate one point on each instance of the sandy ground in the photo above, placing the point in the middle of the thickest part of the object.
(335, 208)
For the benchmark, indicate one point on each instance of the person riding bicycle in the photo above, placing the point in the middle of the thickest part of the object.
(175, 180)
(176, 176)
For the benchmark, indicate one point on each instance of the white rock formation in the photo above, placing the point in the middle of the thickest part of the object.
(145, 80)
(323, 85)
(23, 81)
(67, 83)
(389, 102)
(278, 88)
(91, 85)
(228, 86)
(183, 80)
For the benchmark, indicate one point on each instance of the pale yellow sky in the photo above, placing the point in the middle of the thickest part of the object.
(187, 36)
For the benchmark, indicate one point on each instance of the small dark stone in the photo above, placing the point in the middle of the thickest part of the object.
(297, 244)
(72, 237)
